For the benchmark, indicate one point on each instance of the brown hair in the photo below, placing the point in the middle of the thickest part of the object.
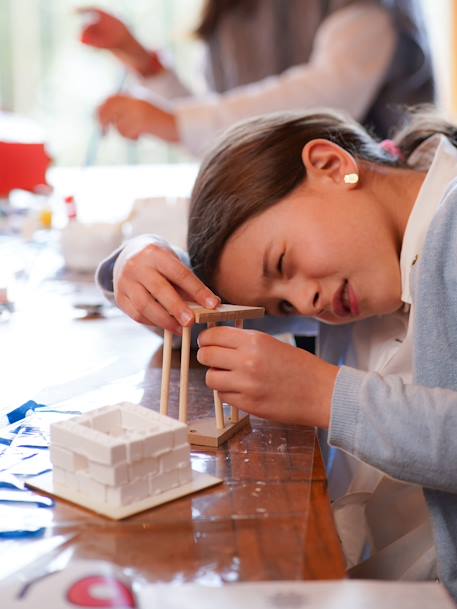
(214, 10)
(258, 162)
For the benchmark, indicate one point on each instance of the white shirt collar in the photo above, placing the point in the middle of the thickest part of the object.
(443, 168)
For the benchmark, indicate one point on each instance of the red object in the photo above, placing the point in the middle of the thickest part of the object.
(71, 208)
(23, 166)
(87, 593)
(23, 156)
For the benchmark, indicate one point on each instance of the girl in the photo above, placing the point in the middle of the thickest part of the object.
(307, 214)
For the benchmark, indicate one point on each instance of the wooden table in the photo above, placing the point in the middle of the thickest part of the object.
(269, 520)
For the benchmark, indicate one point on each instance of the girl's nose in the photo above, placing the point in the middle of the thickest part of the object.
(306, 299)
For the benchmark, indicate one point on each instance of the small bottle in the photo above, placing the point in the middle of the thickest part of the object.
(70, 205)
(44, 212)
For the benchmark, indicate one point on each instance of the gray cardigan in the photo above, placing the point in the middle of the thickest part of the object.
(410, 431)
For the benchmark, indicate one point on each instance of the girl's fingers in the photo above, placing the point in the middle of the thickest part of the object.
(179, 274)
(147, 310)
(218, 357)
(223, 381)
(163, 292)
(222, 336)
(126, 305)
(233, 399)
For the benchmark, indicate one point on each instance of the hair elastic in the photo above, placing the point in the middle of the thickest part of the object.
(392, 149)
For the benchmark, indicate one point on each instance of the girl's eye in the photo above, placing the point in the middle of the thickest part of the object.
(286, 308)
(280, 264)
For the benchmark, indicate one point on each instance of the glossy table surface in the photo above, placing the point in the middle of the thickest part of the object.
(269, 520)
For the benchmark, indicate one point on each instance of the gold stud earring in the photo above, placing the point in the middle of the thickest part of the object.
(351, 178)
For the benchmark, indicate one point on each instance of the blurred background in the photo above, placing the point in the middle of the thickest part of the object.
(47, 75)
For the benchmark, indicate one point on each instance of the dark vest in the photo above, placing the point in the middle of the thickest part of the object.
(273, 35)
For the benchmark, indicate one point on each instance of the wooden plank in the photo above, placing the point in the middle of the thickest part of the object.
(204, 432)
(225, 312)
(45, 483)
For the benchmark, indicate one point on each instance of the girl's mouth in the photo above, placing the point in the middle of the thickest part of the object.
(345, 301)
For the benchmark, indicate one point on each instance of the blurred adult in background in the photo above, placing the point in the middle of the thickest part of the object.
(370, 58)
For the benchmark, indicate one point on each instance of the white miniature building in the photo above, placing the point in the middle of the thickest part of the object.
(120, 454)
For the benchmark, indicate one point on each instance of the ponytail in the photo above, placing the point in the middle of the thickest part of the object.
(425, 122)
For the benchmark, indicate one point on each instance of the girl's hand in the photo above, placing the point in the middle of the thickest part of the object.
(267, 378)
(151, 285)
(135, 117)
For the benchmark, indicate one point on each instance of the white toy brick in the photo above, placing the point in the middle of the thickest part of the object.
(176, 457)
(134, 444)
(109, 475)
(128, 493)
(108, 422)
(67, 459)
(159, 443)
(180, 434)
(88, 486)
(184, 474)
(65, 434)
(132, 419)
(71, 480)
(59, 475)
(143, 469)
(98, 446)
(85, 419)
(163, 482)
(86, 441)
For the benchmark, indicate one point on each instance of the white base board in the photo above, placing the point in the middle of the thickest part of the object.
(45, 484)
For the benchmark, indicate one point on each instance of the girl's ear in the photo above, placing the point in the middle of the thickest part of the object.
(328, 162)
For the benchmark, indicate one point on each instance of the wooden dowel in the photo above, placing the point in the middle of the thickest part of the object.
(234, 413)
(184, 376)
(218, 409)
(166, 366)
(220, 423)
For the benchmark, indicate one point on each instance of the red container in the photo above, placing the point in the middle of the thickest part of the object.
(23, 157)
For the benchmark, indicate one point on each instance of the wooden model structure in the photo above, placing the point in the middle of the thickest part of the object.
(211, 431)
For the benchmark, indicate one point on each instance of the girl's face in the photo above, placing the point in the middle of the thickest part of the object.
(327, 250)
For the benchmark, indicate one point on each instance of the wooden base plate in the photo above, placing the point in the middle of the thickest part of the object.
(46, 484)
(203, 432)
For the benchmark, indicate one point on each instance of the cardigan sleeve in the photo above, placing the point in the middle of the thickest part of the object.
(407, 431)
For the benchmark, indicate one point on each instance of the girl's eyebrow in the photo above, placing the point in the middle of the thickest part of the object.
(265, 264)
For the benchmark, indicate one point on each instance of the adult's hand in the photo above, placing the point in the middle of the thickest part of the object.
(133, 118)
(104, 31)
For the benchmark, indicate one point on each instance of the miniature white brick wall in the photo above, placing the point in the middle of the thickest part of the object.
(120, 454)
